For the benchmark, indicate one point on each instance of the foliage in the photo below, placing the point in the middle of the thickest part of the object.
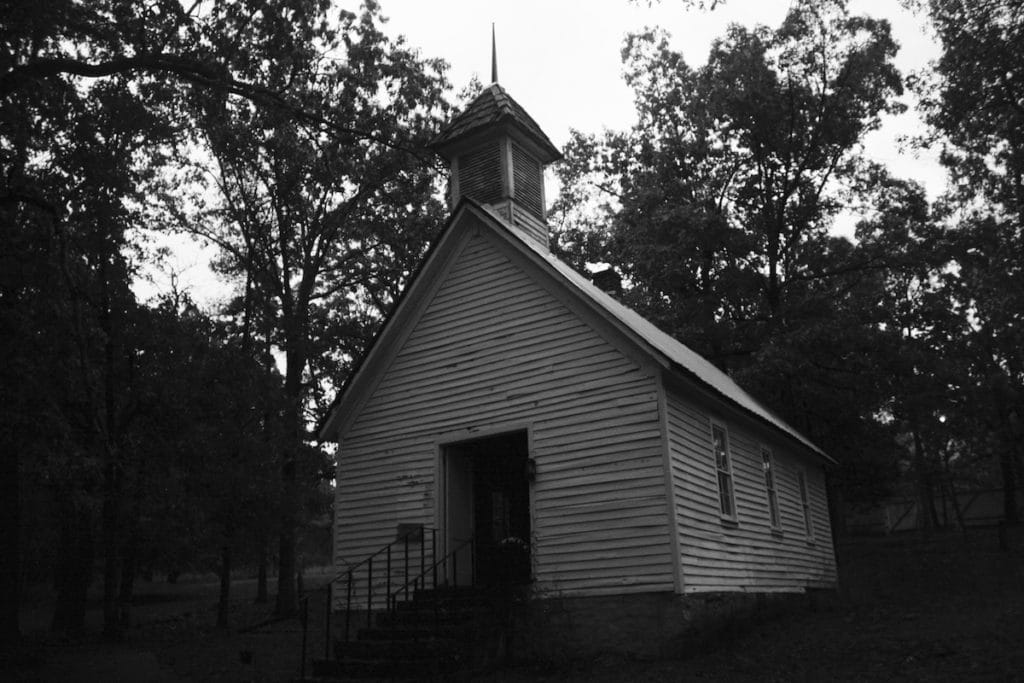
(160, 433)
(719, 203)
(324, 229)
(973, 102)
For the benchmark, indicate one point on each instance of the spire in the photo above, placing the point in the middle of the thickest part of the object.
(494, 56)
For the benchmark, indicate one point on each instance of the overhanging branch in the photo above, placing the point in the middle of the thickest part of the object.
(188, 70)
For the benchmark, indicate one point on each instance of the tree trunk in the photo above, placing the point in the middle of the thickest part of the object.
(10, 533)
(261, 577)
(774, 293)
(225, 586)
(111, 553)
(1005, 400)
(111, 323)
(74, 568)
(287, 596)
(1010, 514)
(129, 567)
(925, 500)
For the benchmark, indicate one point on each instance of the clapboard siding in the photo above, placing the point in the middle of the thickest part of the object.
(493, 347)
(746, 555)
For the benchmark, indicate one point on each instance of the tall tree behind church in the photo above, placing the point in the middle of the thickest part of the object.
(974, 102)
(717, 205)
(323, 220)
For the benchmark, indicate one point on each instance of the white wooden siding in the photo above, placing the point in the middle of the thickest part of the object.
(746, 555)
(495, 347)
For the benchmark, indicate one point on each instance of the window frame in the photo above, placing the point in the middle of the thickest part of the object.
(771, 488)
(730, 516)
(805, 503)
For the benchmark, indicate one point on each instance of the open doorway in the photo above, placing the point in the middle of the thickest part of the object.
(487, 499)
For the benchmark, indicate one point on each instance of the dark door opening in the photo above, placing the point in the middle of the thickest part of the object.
(495, 511)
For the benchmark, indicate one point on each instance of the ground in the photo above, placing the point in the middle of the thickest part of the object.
(948, 608)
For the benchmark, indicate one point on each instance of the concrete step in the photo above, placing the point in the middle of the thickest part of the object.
(461, 631)
(440, 633)
(390, 670)
(399, 649)
(427, 616)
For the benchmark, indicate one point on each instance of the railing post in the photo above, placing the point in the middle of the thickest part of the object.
(423, 552)
(433, 554)
(387, 594)
(369, 592)
(327, 620)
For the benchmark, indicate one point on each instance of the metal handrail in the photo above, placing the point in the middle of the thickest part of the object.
(368, 562)
(415, 581)
(391, 596)
(369, 558)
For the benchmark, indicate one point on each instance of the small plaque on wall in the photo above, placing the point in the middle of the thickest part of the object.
(414, 532)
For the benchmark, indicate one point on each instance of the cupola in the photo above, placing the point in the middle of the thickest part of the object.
(497, 155)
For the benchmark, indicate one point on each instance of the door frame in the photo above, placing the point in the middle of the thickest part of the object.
(445, 441)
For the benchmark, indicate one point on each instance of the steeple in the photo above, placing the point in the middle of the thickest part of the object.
(497, 155)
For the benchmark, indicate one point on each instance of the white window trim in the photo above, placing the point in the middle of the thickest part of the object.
(771, 488)
(805, 503)
(728, 472)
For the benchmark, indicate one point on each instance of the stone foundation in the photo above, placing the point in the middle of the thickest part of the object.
(642, 625)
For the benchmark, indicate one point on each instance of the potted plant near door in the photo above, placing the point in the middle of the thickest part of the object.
(514, 561)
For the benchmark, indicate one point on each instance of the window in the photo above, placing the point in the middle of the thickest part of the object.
(769, 484)
(720, 445)
(806, 505)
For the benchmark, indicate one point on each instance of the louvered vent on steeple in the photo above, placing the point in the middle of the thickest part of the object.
(480, 174)
(529, 181)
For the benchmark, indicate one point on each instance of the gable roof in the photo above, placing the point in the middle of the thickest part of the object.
(490, 109)
(669, 352)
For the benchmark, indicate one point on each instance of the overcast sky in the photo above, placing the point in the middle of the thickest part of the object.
(560, 59)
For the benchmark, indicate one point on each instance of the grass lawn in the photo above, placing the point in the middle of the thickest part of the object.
(950, 609)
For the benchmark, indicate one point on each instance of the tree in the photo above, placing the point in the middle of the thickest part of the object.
(204, 441)
(72, 188)
(96, 95)
(719, 202)
(920, 360)
(162, 43)
(322, 228)
(973, 103)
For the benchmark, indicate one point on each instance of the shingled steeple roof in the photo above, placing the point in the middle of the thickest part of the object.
(494, 108)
